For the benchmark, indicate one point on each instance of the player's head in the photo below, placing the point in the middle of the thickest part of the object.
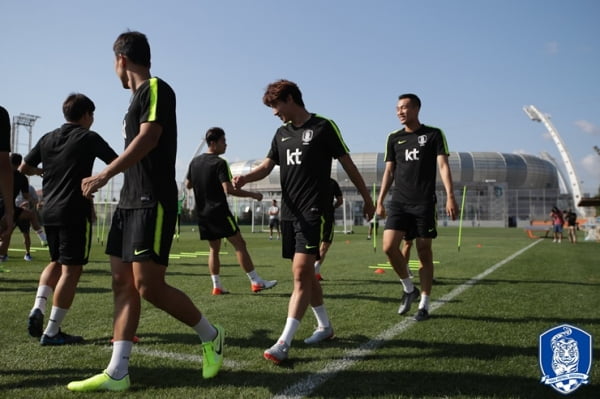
(134, 46)
(281, 91)
(4, 122)
(15, 159)
(414, 99)
(274, 202)
(407, 108)
(79, 108)
(215, 140)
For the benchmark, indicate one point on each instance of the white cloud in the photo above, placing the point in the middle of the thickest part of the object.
(551, 48)
(588, 127)
(591, 164)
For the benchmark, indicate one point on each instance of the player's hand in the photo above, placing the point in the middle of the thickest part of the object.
(451, 208)
(380, 210)
(258, 196)
(369, 210)
(90, 185)
(238, 182)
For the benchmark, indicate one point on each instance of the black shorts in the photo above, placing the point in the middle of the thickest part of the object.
(416, 220)
(24, 225)
(217, 226)
(327, 227)
(301, 236)
(70, 245)
(137, 235)
(274, 222)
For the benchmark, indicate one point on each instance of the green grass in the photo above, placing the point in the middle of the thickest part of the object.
(481, 344)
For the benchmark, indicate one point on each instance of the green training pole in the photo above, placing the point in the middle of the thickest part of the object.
(462, 209)
(374, 223)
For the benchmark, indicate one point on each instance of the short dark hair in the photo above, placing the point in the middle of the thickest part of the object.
(4, 122)
(412, 97)
(214, 134)
(76, 106)
(280, 90)
(134, 46)
(16, 158)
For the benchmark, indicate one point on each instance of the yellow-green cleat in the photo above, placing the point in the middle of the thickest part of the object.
(212, 354)
(100, 382)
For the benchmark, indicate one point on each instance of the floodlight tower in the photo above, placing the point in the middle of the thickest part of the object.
(22, 119)
(535, 115)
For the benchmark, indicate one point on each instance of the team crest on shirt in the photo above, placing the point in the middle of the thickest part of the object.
(307, 136)
(422, 140)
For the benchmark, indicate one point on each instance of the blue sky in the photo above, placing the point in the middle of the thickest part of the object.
(474, 64)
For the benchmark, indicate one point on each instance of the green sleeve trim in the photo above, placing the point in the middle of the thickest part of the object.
(153, 99)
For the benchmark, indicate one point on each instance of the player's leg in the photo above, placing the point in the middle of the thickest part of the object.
(257, 284)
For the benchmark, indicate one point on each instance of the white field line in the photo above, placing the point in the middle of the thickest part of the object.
(308, 385)
(184, 357)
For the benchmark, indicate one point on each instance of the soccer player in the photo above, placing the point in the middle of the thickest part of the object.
(274, 220)
(143, 224)
(67, 155)
(21, 215)
(24, 226)
(6, 175)
(303, 148)
(209, 175)
(410, 163)
(328, 221)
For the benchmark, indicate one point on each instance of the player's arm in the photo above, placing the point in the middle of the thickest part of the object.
(146, 140)
(446, 175)
(339, 200)
(386, 183)
(357, 179)
(29, 170)
(258, 173)
(238, 192)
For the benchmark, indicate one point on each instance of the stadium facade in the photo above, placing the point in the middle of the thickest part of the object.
(500, 189)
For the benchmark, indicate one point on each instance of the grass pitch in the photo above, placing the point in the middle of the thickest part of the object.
(481, 340)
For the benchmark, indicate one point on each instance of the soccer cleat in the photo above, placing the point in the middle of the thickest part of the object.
(27, 257)
(212, 354)
(35, 323)
(277, 353)
(407, 300)
(100, 382)
(421, 315)
(319, 277)
(263, 285)
(60, 339)
(44, 243)
(320, 334)
(3, 258)
(219, 291)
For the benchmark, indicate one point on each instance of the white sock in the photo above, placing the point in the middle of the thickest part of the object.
(424, 304)
(291, 326)
(254, 277)
(205, 330)
(41, 298)
(119, 361)
(41, 235)
(317, 267)
(216, 281)
(321, 316)
(57, 315)
(407, 284)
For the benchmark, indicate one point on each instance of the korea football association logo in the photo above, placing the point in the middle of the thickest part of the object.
(307, 136)
(565, 358)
